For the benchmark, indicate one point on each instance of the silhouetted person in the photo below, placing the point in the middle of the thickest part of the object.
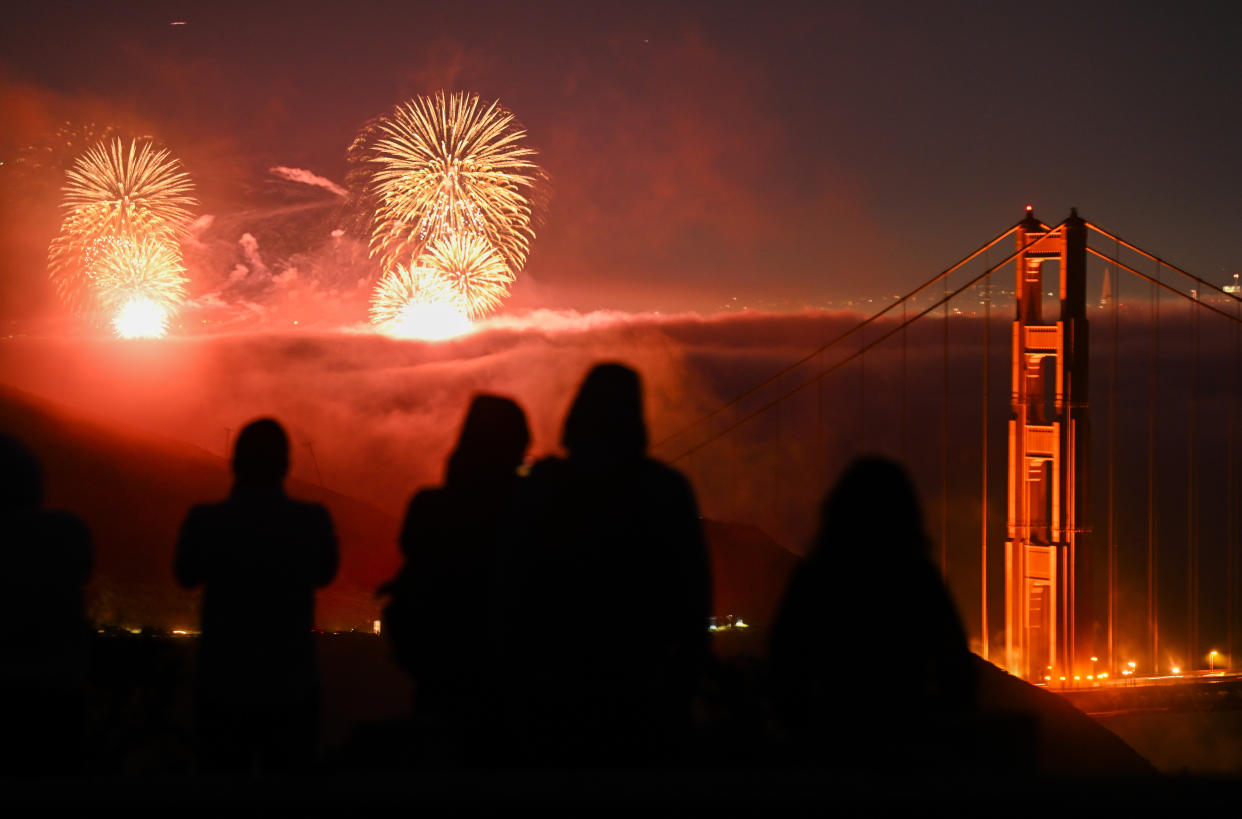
(870, 663)
(607, 591)
(439, 615)
(43, 633)
(259, 557)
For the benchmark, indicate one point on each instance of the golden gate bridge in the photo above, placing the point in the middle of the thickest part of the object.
(1054, 630)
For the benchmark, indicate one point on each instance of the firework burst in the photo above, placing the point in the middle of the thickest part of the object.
(112, 189)
(476, 273)
(417, 302)
(140, 283)
(145, 268)
(119, 201)
(445, 165)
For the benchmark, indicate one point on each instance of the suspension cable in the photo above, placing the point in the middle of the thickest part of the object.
(839, 338)
(1161, 285)
(1162, 263)
(885, 336)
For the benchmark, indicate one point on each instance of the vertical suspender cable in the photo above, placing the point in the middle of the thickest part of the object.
(904, 440)
(776, 465)
(1115, 295)
(1232, 518)
(944, 441)
(983, 516)
(820, 455)
(1153, 623)
(1192, 507)
(862, 388)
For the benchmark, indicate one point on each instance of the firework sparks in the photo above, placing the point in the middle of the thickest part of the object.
(418, 302)
(114, 190)
(446, 165)
(126, 208)
(474, 270)
(141, 284)
(146, 268)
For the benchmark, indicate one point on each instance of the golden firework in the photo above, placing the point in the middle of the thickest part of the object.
(403, 286)
(448, 164)
(417, 302)
(139, 269)
(117, 198)
(476, 273)
(112, 189)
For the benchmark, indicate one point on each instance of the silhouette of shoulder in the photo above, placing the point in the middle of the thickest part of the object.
(646, 476)
(220, 539)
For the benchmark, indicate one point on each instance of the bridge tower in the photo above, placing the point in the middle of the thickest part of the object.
(1048, 625)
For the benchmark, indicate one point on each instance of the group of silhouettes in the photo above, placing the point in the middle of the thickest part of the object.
(552, 615)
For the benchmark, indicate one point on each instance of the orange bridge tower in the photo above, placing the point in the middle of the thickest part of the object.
(1048, 625)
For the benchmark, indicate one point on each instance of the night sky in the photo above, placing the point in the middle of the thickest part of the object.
(786, 155)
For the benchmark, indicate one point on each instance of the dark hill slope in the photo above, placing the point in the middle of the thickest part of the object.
(133, 490)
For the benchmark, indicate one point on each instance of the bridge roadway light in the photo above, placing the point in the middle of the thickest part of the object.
(1212, 659)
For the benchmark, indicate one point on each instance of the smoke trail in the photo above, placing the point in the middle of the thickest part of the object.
(308, 178)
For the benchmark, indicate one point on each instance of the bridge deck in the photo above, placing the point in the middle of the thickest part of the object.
(1215, 692)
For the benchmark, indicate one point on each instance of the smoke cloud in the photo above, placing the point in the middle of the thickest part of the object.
(309, 178)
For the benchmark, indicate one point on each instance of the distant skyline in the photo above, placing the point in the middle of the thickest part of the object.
(795, 155)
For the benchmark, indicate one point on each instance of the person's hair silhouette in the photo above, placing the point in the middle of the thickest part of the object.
(868, 652)
(439, 611)
(43, 630)
(606, 592)
(605, 422)
(492, 443)
(261, 456)
(259, 556)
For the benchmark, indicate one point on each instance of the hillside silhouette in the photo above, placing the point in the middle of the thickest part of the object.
(133, 489)
(749, 572)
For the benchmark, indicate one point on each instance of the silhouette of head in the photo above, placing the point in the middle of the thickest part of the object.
(22, 476)
(261, 454)
(492, 443)
(606, 419)
(874, 502)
